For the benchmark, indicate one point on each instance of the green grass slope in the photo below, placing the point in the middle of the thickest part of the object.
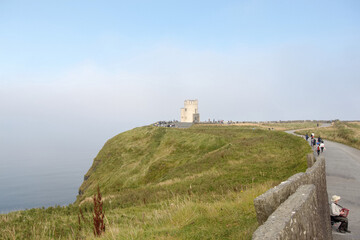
(154, 163)
(167, 183)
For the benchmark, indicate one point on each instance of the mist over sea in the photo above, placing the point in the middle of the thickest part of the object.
(44, 165)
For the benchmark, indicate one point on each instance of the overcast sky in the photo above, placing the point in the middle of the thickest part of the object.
(75, 73)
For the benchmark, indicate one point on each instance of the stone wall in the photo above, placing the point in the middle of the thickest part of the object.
(293, 219)
(267, 203)
(317, 176)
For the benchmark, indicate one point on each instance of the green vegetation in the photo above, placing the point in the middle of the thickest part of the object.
(343, 132)
(283, 126)
(166, 183)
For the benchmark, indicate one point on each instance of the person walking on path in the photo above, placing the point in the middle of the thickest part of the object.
(318, 149)
(306, 136)
(314, 142)
(322, 146)
(336, 214)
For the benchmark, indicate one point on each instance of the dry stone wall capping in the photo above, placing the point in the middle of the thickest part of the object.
(296, 218)
(268, 202)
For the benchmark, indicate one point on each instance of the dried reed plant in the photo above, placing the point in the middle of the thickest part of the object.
(98, 216)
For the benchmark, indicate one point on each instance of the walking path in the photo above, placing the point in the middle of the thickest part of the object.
(343, 179)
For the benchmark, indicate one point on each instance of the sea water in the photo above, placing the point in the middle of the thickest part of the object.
(43, 170)
(32, 183)
(43, 163)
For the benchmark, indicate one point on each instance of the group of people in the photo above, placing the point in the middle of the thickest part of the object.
(318, 143)
(165, 123)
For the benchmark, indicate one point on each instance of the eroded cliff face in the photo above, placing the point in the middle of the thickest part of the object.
(85, 184)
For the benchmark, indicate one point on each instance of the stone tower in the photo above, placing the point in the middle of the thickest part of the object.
(190, 112)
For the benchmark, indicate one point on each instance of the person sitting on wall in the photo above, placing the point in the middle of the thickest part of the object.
(336, 214)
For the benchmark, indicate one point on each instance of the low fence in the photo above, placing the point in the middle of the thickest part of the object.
(297, 208)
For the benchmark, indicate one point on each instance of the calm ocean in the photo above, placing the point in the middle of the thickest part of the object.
(43, 164)
(43, 170)
(24, 185)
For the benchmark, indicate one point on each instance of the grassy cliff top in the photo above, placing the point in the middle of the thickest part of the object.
(154, 163)
(167, 183)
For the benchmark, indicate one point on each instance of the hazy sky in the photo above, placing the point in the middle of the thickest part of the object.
(73, 73)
